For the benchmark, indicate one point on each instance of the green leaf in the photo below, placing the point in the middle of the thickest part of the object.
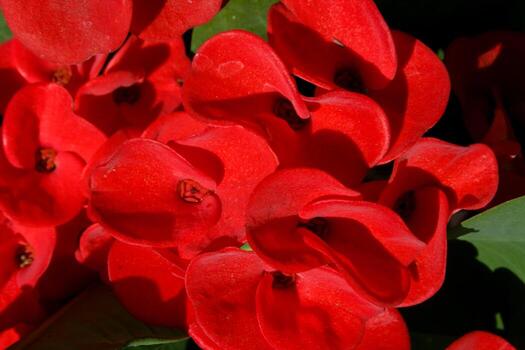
(249, 15)
(96, 320)
(5, 33)
(499, 236)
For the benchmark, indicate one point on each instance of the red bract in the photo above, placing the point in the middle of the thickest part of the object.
(140, 83)
(300, 219)
(150, 283)
(25, 254)
(45, 147)
(356, 25)
(315, 53)
(37, 70)
(267, 309)
(162, 20)
(93, 249)
(329, 132)
(480, 340)
(68, 32)
(431, 181)
(197, 188)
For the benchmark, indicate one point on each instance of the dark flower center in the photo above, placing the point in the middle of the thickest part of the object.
(24, 256)
(282, 281)
(62, 76)
(284, 109)
(349, 79)
(127, 94)
(319, 226)
(406, 205)
(191, 191)
(45, 160)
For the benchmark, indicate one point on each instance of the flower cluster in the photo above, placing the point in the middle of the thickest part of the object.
(121, 155)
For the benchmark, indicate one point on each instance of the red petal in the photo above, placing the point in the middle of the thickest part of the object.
(41, 116)
(480, 340)
(320, 311)
(68, 32)
(386, 331)
(346, 128)
(135, 195)
(93, 249)
(417, 97)
(165, 20)
(358, 26)
(236, 75)
(221, 287)
(428, 221)
(358, 232)
(148, 284)
(468, 174)
(272, 212)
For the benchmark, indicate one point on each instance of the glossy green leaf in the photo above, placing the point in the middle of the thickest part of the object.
(499, 236)
(249, 15)
(96, 320)
(5, 33)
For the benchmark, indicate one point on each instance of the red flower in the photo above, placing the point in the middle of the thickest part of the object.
(342, 44)
(25, 254)
(236, 76)
(430, 182)
(241, 303)
(68, 32)
(45, 148)
(190, 194)
(302, 218)
(480, 340)
(139, 84)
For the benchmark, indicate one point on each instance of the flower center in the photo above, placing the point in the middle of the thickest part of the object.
(45, 160)
(284, 109)
(191, 191)
(319, 226)
(406, 205)
(127, 94)
(282, 281)
(62, 76)
(349, 79)
(24, 256)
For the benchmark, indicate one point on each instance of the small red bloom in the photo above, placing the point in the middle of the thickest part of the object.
(430, 182)
(45, 148)
(388, 67)
(139, 84)
(197, 186)
(302, 218)
(68, 32)
(266, 309)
